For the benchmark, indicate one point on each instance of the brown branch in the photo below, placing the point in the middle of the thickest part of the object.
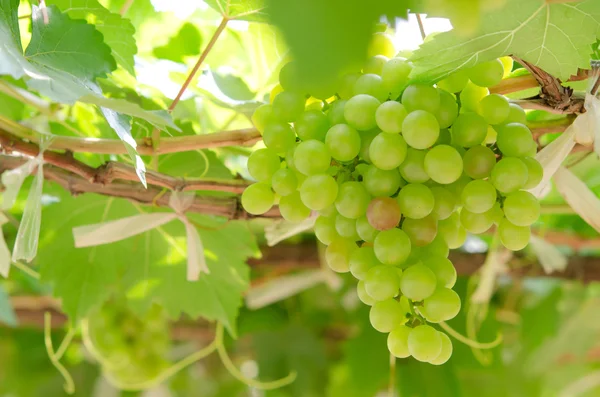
(515, 84)
(421, 27)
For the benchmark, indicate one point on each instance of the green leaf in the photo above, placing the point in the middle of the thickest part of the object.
(11, 50)
(118, 32)
(233, 86)
(150, 267)
(556, 37)
(186, 42)
(247, 10)
(7, 314)
(70, 45)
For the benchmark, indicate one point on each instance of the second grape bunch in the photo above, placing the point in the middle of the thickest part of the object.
(398, 175)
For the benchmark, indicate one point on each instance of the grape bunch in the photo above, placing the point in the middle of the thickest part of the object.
(131, 349)
(398, 174)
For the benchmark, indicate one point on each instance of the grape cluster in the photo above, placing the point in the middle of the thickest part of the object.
(398, 174)
(132, 349)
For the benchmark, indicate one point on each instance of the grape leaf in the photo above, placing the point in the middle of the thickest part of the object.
(7, 314)
(186, 42)
(233, 86)
(556, 37)
(11, 50)
(247, 10)
(150, 267)
(118, 32)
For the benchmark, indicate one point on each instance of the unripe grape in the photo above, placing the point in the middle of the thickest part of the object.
(416, 201)
(279, 137)
(392, 246)
(288, 106)
(375, 64)
(381, 183)
(263, 116)
(412, 168)
(312, 157)
(363, 295)
(262, 164)
(382, 282)
(442, 305)
(471, 96)
(521, 208)
(312, 124)
(535, 172)
(516, 114)
(446, 351)
(293, 209)
(469, 130)
(452, 231)
(476, 223)
(319, 191)
(494, 109)
(335, 115)
(343, 142)
(362, 260)
(370, 84)
(455, 82)
(478, 196)
(359, 112)
(258, 198)
(424, 343)
(346, 227)
(397, 341)
(420, 129)
(418, 282)
(381, 44)
(444, 270)
(289, 77)
(421, 97)
(514, 140)
(445, 202)
(509, 175)
(479, 161)
(284, 181)
(325, 229)
(365, 231)
(387, 151)
(443, 164)
(346, 86)
(420, 231)
(487, 74)
(337, 254)
(389, 117)
(386, 315)
(395, 75)
(448, 110)
(513, 237)
(366, 137)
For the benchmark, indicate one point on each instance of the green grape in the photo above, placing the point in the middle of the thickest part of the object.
(329, 211)
(514, 140)
(361, 261)
(444, 270)
(469, 130)
(455, 82)
(445, 137)
(383, 213)
(420, 231)
(382, 282)
(476, 223)
(452, 231)
(479, 161)
(318, 191)
(389, 117)
(535, 172)
(420, 129)
(375, 64)
(352, 200)
(312, 124)
(279, 137)
(343, 142)
(513, 237)
(387, 151)
(487, 74)
(293, 209)
(395, 75)
(364, 297)
(424, 343)
(365, 231)
(471, 96)
(359, 112)
(443, 305)
(335, 115)
(491, 136)
(381, 183)
(284, 181)
(366, 137)
(438, 247)
(458, 186)
(494, 109)
(381, 44)
(288, 77)
(337, 254)
(421, 97)
(312, 157)
(445, 202)
(346, 86)
(386, 315)
(370, 84)
(392, 246)
(478, 196)
(288, 106)
(397, 341)
(509, 175)
(325, 229)
(507, 62)
(416, 201)
(258, 198)
(516, 114)
(346, 227)
(263, 116)
(262, 164)
(443, 164)
(448, 109)
(532, 150)
(412, 168)
(446, 351)
(418, 282)
(521, 208)
(496, 213)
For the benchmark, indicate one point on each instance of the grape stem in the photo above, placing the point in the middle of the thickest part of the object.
(55, 357)
(421, 27)
(470, 342)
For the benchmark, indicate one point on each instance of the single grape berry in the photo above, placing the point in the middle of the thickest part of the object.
(352, 199)
(337, 254)
(387, 151)
(258, 198)
(424, 343)
(397, 341)
(443, 164)
(383, 213)
(360, 110)
(416, 201)
(382, 282)
(386, 315)
(263, 164)
(392, 246)
(442, 305)
(343, 142)
(418, 282)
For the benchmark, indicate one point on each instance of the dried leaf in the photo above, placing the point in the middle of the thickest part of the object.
(583, 201)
